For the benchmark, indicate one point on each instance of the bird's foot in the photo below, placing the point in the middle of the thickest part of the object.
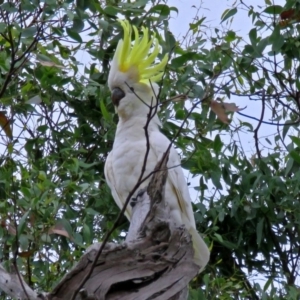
(133, 201)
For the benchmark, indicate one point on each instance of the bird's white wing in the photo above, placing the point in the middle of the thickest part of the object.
(179, 190)
(110, 179)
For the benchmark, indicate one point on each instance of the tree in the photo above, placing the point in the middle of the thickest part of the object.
(58, 126)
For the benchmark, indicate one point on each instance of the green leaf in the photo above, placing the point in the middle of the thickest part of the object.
(231, 36)
(263, 43)
(289, 166)
(2, 27)
(268, 283)
(110, 10)
(286, 128)
(219, 237)
(74, 35)
(183, 59)
(253, 36)
(91, 211)
(22, 222)
(24, 242)
(170, 40)
(26, 192)
(105, 113)
(295, 155)
(259, 231)
(216, 179)
(139, 3)
(83, 4)
(78, 25)
(273, 9)
(173, 8)
(161, 9)
(268, 141)
(217, 146)
(295, 140)
(250, 126)
(180, 114)
(276, 39)
(86, 234)
(29, 32)
(228, 13)
(9, 7)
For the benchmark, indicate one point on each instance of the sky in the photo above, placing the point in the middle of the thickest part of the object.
(241, 24)
(212, 10)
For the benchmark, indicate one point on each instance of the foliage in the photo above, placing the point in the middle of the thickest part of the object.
(58, 126)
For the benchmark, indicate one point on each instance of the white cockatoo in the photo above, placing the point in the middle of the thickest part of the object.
(131, 81)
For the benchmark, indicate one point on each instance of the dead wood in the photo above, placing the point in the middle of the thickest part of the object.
(155, 261)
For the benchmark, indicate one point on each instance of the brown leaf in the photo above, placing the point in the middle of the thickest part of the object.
(26, 253)
(231, 107)
(5, 124)
(177, 98)
(58, 229)
(10, 228)
(289, 17)
(287, 14)
(220, 109)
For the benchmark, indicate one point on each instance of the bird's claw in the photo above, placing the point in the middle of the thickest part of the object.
(133, 201)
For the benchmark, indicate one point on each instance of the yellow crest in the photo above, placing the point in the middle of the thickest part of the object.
(137, 54)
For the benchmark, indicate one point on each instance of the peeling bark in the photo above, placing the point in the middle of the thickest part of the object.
(11, 285)
(155, 261)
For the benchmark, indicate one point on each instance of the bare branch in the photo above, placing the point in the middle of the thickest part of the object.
(258, 126)
(156, 260)
(11, 285)
(151, 114)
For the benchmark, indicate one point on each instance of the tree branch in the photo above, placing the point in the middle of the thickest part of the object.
(156, 261)
(11, 285)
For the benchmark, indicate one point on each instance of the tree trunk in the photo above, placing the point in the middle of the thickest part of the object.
(155, 261)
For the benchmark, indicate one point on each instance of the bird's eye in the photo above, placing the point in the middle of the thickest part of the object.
(116, 96)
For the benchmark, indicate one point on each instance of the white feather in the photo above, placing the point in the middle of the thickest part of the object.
(124, 163)
(123, 168)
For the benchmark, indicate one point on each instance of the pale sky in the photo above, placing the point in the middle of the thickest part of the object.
(241, 24)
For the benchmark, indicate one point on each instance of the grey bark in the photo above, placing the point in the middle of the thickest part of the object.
(11, 285)
(155, 261)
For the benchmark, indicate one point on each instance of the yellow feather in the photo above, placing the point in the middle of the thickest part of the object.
(138, 54)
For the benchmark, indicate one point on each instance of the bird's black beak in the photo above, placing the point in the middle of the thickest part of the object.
(116, 95)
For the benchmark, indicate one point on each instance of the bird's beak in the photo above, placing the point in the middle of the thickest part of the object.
(116, 95)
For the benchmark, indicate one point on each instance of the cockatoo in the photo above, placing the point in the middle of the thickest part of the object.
(131, 81)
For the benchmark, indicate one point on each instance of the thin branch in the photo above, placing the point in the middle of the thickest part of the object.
(282, 255)
(258, 126)
(207, 95)
(269, 123)
(139, 181)
(10, 284)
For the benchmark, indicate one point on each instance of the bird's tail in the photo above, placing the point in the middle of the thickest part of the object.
(201, 255)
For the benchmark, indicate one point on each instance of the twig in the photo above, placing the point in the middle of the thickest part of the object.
(16, 252)
(269, 123)
(141, 179)
(139, 182)
(259, 124)
(10, 284)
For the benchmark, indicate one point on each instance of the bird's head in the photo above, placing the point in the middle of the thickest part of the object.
(134, 73)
